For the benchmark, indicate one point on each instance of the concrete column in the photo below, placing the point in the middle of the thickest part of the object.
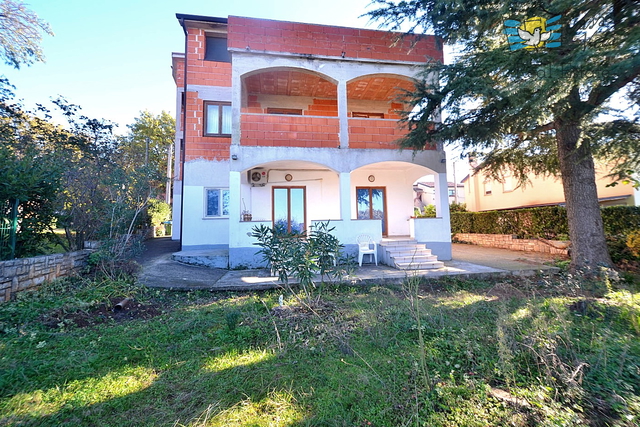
(345, 196)
(236, 105)
(234, 208)
(342, 114)
(441, 196)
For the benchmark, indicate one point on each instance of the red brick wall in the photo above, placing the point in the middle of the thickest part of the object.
(323, 107)
(277, 36)
(178, 71)
(289, 131)
(208, 73)
(201, 72)
(198, 146)
(319, 107)
(372, 133)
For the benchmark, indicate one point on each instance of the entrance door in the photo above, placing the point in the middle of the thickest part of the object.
(289, 209)
(372, 204)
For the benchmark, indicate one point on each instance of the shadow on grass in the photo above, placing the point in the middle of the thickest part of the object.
(352, 363)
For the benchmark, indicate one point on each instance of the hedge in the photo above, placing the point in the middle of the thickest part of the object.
(548, 222)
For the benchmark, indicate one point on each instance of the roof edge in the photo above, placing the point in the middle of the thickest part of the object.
(201, 18)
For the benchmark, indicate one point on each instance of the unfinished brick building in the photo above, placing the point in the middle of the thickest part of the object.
(286, 124)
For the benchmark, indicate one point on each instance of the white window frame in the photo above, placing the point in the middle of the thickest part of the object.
(487, 188)
(220, 203)
(507, 185)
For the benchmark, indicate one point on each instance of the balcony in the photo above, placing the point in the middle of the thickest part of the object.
(273, 130)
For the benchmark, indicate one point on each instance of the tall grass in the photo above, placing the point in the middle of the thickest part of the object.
(442, 353)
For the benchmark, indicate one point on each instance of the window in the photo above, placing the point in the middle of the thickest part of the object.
(452, 192)
(368, 115)
(217, 118)
(487, 188)
(217, 202)
(216, 50)
(286, 111)
(507, 186)
(289, 210)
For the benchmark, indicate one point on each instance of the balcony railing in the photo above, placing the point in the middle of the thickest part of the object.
(289, 131)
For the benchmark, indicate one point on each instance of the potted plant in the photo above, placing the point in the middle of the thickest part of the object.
(246, 215)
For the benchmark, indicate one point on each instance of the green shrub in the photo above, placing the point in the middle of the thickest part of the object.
(633, 243)
(548, 222)
(158, 212)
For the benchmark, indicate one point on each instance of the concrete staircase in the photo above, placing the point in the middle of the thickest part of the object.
(407, 254)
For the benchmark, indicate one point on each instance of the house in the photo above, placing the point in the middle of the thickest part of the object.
(288, 124)
(486, 194)
(425, 191)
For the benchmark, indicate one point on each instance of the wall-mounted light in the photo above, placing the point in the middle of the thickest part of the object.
(371, 178)
(443, 161)
(234, 157)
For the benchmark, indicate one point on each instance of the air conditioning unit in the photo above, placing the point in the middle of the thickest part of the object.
(257, 177)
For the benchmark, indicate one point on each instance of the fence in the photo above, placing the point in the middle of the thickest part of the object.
(8, 229)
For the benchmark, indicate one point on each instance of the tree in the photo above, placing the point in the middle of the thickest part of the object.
(20, 34)
(539, 109)
(149, 143)
(30, 176)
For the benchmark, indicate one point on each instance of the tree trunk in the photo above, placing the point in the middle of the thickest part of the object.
(588, 244)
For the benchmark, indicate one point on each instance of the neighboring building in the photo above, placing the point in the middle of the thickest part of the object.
(289, 123)
(426, 191)
(485, 194)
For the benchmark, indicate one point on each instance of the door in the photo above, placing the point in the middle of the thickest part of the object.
(372, 204)
(289, 209)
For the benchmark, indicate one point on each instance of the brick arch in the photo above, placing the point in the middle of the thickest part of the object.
(289, 81)
(378, 87)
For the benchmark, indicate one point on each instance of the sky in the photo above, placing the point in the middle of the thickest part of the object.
(113, 58)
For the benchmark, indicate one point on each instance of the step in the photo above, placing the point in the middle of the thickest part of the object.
(417, 258)
(392, 243)
(410, 252)
(419, 266)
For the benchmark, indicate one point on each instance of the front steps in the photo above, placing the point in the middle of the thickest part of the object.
(407, 254)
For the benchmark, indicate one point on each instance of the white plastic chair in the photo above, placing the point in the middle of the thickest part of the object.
(366, 246)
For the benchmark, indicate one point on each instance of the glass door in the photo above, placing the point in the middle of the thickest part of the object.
(372, 205)
(289, 209)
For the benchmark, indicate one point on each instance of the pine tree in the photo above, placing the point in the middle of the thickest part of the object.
(545, 108)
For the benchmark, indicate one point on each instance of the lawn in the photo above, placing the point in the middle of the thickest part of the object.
(542, 351)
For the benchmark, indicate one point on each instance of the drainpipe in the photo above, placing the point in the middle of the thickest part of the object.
(184, 127)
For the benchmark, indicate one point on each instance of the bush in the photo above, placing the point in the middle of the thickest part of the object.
(158, 212)
(299, 255)
(548, 222)
(633, 243)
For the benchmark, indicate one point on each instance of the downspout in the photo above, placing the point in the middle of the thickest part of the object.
(184, 128)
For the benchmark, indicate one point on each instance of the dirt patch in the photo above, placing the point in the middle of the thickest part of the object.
(103, 313)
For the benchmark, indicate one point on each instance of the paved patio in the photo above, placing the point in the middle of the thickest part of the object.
(469, 261)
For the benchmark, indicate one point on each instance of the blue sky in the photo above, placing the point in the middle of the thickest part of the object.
(113, 58)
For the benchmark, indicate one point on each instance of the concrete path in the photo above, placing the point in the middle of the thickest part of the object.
(159, 270)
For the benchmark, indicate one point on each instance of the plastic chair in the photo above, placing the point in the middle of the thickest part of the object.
(366, 246)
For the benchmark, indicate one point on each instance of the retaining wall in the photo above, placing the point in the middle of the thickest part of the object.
(28, 273)
(507, 241)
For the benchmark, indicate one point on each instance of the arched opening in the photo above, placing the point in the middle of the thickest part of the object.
(289, 91)
(374, 108)
(290, 107)
(377, 96)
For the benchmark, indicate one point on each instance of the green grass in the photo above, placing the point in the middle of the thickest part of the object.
(449, 353)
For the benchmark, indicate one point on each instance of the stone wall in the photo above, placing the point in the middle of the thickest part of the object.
(507, 241)
(28, 273)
